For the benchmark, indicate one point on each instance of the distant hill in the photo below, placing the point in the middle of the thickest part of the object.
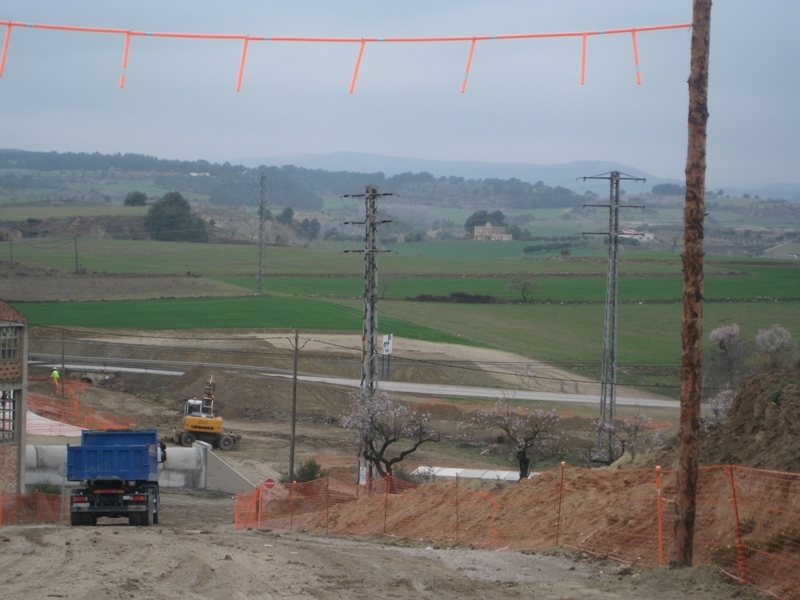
(564, 175)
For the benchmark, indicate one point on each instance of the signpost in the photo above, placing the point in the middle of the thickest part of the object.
(387, 352)
(269, 483)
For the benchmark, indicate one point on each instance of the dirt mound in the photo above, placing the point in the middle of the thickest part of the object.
(763, 427)
(256, 397)
(762, 430)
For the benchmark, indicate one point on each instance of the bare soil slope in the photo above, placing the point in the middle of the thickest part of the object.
(762, 430)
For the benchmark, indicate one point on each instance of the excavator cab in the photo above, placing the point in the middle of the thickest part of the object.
(196, 408)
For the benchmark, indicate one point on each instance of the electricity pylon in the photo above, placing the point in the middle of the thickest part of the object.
(608, 381)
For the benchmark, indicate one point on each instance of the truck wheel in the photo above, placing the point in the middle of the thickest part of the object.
(226, 442)
(89, 520)
(75, 519)
(187, 439)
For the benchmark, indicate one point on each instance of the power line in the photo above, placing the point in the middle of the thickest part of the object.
(362, 41)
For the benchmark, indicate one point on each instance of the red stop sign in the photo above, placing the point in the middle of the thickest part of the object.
(269, 483)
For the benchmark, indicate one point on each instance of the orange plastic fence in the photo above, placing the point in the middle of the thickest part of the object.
(748, 521)
(72, 411)
(34, 507)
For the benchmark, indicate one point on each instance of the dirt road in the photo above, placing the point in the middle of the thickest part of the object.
(195, 553)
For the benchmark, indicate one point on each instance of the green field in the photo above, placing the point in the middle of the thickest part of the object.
(211, 313)
(315, 289)
(221, 260)
(753, 283)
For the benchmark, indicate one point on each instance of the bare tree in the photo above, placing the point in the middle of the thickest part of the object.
(628, 435)
(525, 285)
(528, 436)
(386, 430)
(385, 282)
(675, 239)
(692, 326)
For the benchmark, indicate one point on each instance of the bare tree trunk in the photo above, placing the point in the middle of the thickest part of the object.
(692, 331)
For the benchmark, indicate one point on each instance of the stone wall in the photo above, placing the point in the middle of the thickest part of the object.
(9, 468)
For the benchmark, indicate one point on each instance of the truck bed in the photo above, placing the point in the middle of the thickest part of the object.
(126, 463)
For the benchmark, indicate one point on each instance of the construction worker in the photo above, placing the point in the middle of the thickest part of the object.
(55, 377)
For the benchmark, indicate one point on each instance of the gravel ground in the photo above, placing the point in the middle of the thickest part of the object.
(195, 553)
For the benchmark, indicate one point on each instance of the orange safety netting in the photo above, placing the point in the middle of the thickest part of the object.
(33, 507)
(72, 411)
(748, 521)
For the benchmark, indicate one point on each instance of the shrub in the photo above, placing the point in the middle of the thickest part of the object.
(308, 470)
(136, 199)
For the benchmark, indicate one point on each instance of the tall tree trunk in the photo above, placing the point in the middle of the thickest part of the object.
(692, 330)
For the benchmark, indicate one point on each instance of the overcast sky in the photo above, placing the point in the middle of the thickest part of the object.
(524, 101)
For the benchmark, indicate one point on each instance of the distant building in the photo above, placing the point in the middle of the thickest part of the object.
(13, 398)
(491, 232)
(632, 234)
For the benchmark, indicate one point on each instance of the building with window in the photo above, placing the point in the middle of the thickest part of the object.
(13, 397)
(492, 232)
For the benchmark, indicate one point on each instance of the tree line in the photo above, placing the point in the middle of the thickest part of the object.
(235, 185)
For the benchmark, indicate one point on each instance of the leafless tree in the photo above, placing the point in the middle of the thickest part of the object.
(385, 282)
(528, 436)
(386, 430)
(628, 435)
(675, 239)
(525, 285)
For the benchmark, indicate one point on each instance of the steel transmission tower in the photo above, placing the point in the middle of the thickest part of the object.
(261, 239)
(608, 380)
(370, 348)
(369, 335)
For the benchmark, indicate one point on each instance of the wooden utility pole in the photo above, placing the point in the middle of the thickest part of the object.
(692, 330)
(294, 405)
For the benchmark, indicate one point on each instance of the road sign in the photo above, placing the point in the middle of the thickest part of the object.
(269, 483)
(387, 343)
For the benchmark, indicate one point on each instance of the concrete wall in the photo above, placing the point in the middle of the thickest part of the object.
(196, 468)
(221, 477)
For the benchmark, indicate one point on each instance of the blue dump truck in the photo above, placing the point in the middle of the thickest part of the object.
(118, 475)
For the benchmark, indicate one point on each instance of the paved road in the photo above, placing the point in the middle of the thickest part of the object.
(460, 391)
(428, 389)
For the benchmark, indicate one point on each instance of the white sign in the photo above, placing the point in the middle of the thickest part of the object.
(387, 343)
